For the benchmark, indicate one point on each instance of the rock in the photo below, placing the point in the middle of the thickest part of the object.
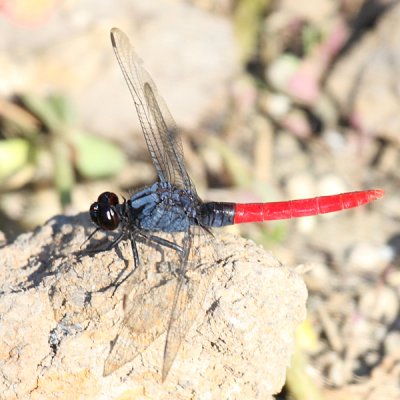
(60, 309)
(381, 304)
(189, 53)
(363, 82)
(366, 257)
(391, 342)
(301, 186)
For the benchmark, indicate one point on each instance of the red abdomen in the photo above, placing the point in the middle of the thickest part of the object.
(257, 212)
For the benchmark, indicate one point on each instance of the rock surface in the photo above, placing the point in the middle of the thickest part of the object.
(365, 81)
(189, 53)
(59, 311)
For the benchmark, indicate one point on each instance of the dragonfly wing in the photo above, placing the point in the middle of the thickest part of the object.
(159, 128)
(191, 289)
(147, 309)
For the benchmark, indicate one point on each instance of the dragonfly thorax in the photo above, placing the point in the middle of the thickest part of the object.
(163, 207)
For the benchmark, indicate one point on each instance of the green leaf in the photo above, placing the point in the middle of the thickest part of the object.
(43, 109)
(64, 178)
(248, 17)
(96, 157)
(239, 171)
(14, 155)
(63, 108)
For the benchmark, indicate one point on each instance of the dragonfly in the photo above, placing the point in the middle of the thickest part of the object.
(169, 217)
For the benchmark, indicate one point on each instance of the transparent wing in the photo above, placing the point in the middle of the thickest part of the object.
(159, 129)
(164, 296)
(194, 279)
(146, 318)
(147, 304)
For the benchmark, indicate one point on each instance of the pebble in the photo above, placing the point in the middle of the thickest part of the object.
(372, 357)
(367, 257)
(335, 140)
(300, 186)
(277, 105)
(281, 70)
(330, 184)
(380, 303)
(336, 372)
(318, 278)
(392, 342)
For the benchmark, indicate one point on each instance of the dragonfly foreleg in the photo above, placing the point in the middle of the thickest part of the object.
(110, 245)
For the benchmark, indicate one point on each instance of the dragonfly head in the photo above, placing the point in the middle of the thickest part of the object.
(103, 211)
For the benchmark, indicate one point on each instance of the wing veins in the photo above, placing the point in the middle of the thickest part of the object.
(159, 128)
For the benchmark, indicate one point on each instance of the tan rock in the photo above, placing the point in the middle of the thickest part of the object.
(60, 310)
(364, 83)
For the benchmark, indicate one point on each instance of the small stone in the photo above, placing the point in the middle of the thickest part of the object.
(330, 184)
(392, 342)
(336, 372)
(380, 303)
(335, 140)
(318, 278)
(276, 104)
(372, 357)
(281, 70)
(366, 257)
(301, 186)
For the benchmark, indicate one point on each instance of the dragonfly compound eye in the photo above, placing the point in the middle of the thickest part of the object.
(104, 216)
(94, 210)
(109, 198)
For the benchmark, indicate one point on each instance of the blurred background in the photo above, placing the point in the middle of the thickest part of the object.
(276, 100)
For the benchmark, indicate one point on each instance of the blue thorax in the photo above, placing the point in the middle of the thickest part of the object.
(163, 207)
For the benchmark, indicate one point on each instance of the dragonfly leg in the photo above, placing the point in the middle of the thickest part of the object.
(135, 253)
(164, 242)
(117, 282)
(89, 237)
(109, 246)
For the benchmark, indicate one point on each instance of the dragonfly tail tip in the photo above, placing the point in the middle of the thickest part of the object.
(376, 194)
